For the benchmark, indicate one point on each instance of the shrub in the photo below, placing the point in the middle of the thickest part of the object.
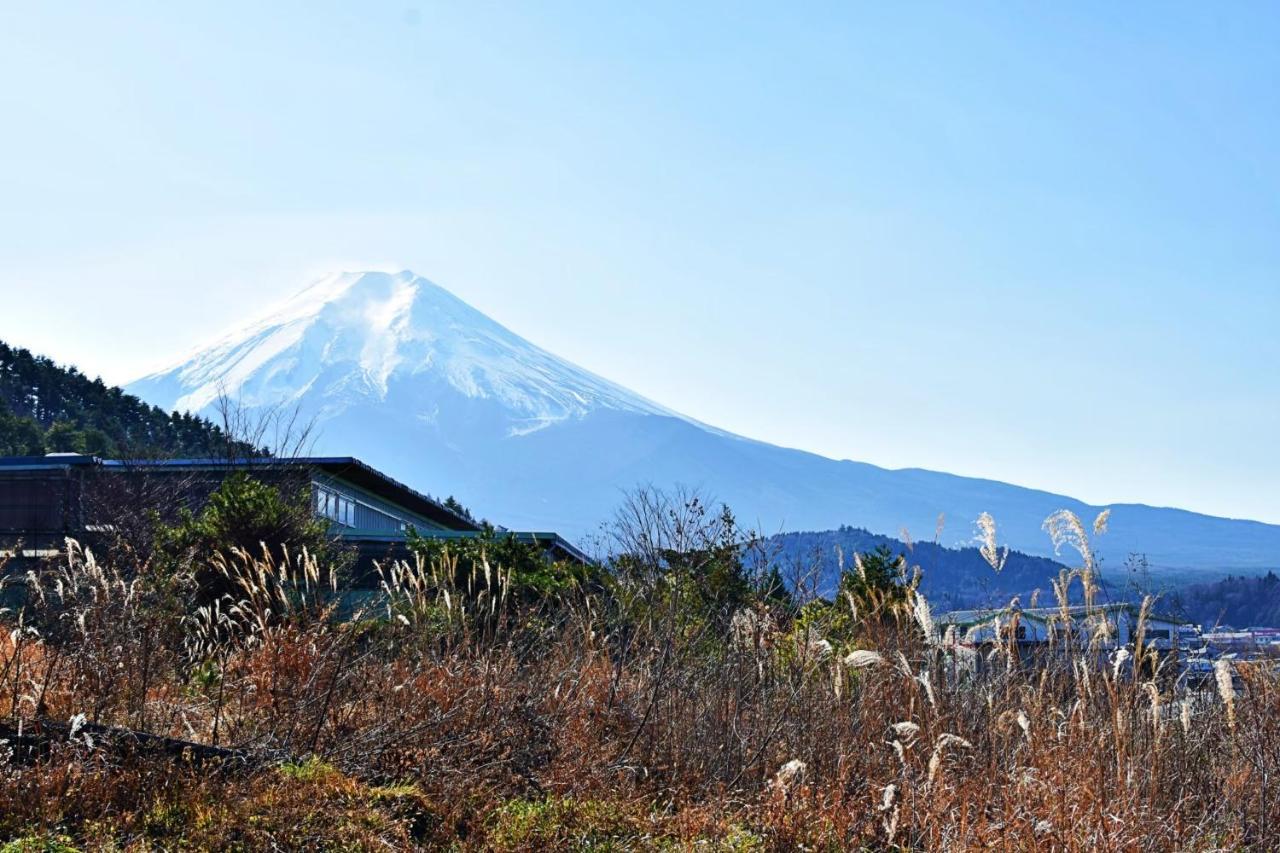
(243, 515)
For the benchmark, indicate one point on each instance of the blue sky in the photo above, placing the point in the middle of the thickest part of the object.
(1031, 242)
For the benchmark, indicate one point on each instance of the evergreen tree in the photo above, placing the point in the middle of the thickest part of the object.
(45, 408)
(877, 580)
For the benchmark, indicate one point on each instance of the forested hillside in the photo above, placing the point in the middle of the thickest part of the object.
(47, 408)
(952, 577)
(1240, 602)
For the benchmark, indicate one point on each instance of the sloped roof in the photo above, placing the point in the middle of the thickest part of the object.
(967, 618)
(345, 467)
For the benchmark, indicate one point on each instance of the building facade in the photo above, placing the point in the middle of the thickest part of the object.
(46, 499)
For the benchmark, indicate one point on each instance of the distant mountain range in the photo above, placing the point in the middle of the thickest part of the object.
(398, 371)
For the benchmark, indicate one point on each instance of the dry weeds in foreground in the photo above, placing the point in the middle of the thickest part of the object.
(451, 713)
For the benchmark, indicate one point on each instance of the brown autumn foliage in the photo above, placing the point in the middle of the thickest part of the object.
(445, 711)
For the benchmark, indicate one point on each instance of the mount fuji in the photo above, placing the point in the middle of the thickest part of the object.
(401, 373)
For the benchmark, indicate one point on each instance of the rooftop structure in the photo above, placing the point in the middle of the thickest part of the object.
(1111, 625)
(45, 499)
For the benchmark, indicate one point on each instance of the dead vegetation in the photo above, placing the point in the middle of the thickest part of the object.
(662, 706)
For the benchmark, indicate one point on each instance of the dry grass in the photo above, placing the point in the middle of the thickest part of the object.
(448, 713)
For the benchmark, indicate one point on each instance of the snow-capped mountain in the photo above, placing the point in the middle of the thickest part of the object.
(344, 341)
(398, 371)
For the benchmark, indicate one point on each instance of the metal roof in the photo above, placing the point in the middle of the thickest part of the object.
(346, 467)
(60, 460)
(1041, 614)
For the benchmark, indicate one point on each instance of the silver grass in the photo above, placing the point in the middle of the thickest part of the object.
(1226, 690)
(994, 555)
(862, 658)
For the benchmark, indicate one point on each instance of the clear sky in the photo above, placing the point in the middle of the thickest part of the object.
(1037, 242)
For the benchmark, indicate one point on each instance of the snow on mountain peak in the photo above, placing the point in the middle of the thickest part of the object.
(353, 336)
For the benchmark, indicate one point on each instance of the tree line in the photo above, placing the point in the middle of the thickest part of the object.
(48, 408)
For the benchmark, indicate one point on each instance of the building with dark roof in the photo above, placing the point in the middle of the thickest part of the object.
(45, 499)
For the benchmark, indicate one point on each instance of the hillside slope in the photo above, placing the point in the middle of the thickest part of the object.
(1239, 602)
(951, 577)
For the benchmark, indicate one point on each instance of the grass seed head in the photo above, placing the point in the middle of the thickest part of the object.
(863, 658)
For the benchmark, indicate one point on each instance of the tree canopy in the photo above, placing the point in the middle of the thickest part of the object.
(48, 408)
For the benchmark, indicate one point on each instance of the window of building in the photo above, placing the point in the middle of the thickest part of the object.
(335, 507)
